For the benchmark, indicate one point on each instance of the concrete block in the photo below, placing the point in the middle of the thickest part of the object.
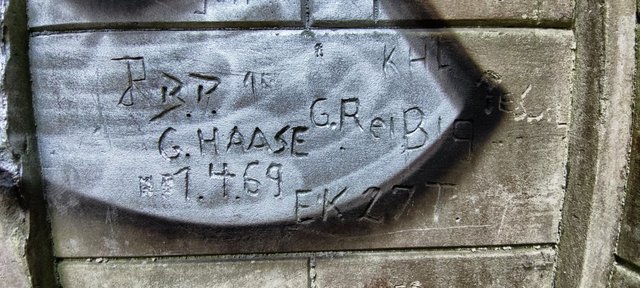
(15, 220)
(491, 10)
(14, 271)
(77, 12)
(629, 239)
(491, 183)
(338, 12)
(624, 277)
(327, 12)
(183, 273)
(518, 268)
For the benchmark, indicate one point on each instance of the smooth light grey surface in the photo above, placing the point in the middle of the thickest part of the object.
(490, 183)
(74, 12)
(236, 128)
(184, 273)
(478, 268)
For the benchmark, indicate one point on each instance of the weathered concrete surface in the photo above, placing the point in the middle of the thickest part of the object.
(492, 188)
(15, 219)
(181, 272)
(517, 268)
(623, 277)
(120, 12)
(393, 11)
(14, 271)
(281, 126)
(598, 157)
(629, 241)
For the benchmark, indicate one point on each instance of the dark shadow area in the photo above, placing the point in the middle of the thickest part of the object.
(458, 74)
(97, 9)
(22, 142)
(157, 14)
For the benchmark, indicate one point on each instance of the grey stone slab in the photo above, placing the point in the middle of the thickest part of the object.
(623, 277)
(342, 12)
(14, 226)
(188, 127)
(14, 271)
(18, 214)
(518, 268)
(78, 12)
(494, 180)
(599, 161)
(183, 273)
(629, 238)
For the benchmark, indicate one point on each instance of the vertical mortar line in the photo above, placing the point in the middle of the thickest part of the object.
(311, 272)
(21, 131)
(305, 13)
(376, 10)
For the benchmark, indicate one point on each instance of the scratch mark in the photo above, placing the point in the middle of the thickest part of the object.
(526, 92)
(436, 208)
(416, 230)
(102, 120)
(504, 213)
(164, 112)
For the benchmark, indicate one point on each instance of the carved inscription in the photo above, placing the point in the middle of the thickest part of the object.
(264, 126)
(243, 161)
(136, 72)
(185, 95)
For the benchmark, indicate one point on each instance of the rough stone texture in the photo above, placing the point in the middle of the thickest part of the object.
(327, 11)
(117, 12)
(518, 268)
(624, 278)
(14, 223)
(183, 273)
(629, 242)
(503, 187)
(496, 192)
(14, 271)
(602, 116)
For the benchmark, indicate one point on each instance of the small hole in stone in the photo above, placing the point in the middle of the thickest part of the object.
(213, 112)
(187, 155)
(188, 114)
(200, 197)
(457, 219)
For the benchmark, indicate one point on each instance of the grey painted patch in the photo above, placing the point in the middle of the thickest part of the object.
(72, 12)
(238, 128)
(503, 186)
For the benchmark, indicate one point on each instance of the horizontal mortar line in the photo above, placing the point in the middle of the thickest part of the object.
(234, 26)
(51, 32)
(627, 264)
(162, 26)
(435, 23)
(328, 253)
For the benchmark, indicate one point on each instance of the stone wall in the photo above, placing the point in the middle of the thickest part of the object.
(533, 184)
